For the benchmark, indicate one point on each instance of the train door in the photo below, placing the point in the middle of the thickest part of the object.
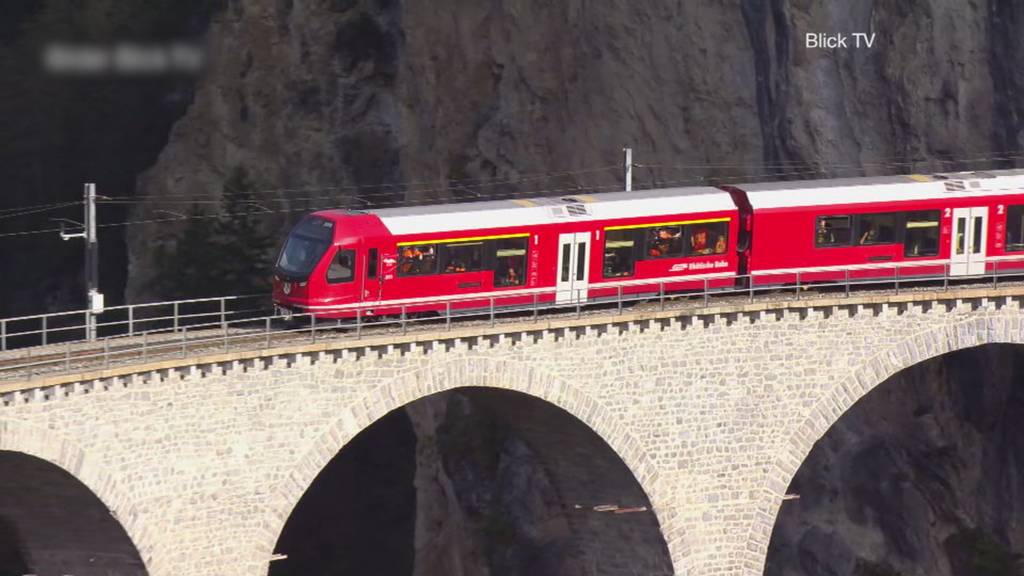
(573, 271)
(371, 277)
(968, 254)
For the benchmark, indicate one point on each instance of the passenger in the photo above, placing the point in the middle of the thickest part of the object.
(868, 236)
(699, 242)
(720, 245)
(825, 235)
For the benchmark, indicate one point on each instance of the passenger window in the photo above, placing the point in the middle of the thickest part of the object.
(465, 257)
(618, 253)
(832, 231)
(417, 260)
(922, 235)
(510, 261)
(664, 241)
(709, 238)
(341, 267)
(876, 229)
(1014, 228)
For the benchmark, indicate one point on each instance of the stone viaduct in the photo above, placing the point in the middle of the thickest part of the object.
(201, 461)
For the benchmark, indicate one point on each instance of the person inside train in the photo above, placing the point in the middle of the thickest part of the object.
(508, 274)
(869, 235)
(663, 241)
(720, 244)
(455, 266)
(699, 242)
(824, 235)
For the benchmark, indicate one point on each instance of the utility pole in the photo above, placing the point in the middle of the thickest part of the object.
(629, 168)
(94, 299)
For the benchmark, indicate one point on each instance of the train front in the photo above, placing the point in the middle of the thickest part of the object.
(313, 274)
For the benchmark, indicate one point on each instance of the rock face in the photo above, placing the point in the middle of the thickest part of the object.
(325, 100)
(922, 477)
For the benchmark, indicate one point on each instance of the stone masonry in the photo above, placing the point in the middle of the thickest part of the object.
(203, 460)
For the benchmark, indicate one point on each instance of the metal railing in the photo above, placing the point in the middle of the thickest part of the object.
(181, 334)
(129, 320)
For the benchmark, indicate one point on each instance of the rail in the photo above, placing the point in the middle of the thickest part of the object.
(240, 323)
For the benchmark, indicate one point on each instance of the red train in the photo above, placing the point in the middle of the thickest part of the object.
(587, 247)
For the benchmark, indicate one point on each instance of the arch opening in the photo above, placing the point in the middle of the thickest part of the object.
(474, 481)
(52, 524)
(923, 475)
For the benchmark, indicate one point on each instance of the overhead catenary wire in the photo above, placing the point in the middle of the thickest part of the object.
(809, 170)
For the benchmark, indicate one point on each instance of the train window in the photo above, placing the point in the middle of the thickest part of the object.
(510, 261)
(1014, 228)
(709, 238)
(832, 231)
(341, 267)
(618, 253)
(922, 236)
(462, 257)
(876, 228)
(664, 241)
(417, 259)
(371, 264)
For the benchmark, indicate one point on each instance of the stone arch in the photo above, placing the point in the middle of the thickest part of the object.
(483, 373)
(843, 394)
(25, 438)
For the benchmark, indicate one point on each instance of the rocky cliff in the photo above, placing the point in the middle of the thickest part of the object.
(922, 477)
(327, 100)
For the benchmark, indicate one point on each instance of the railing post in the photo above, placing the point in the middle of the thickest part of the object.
(535, 299)
(312, 328)
(798, 285)
(492, 311)
(223, 311)
(184, 342)
(448, 316)
(224, 335)
(995, 274)
(404, 328)
(175, 316)
(579, 300)
(661, 295)
(620, 299)
(359, 323)
(897, 274)
(131, 320)
(3, 335)
(750, 279)
(44, 331)
(847, 282)
(945, 276)
(266, 331)
(706, 293)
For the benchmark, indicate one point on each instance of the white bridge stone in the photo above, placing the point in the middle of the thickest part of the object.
(203, 460)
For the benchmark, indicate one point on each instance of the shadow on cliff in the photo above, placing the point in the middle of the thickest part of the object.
(923, 476)
(474, 482)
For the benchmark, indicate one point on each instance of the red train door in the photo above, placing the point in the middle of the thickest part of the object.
(573, 270)
(968, 254)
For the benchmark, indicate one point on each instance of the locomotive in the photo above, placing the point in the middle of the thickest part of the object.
(585, 247)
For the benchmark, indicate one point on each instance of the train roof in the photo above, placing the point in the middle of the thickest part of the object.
(550, 210)
(797, 193)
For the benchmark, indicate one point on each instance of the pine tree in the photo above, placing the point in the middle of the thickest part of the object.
(226, 255)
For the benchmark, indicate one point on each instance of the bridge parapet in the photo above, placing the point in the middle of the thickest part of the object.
(712, 409)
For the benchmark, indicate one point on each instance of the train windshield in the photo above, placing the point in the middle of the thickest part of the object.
(304, 247)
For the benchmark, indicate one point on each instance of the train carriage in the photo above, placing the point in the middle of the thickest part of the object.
(514, 252)
(871, 228)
